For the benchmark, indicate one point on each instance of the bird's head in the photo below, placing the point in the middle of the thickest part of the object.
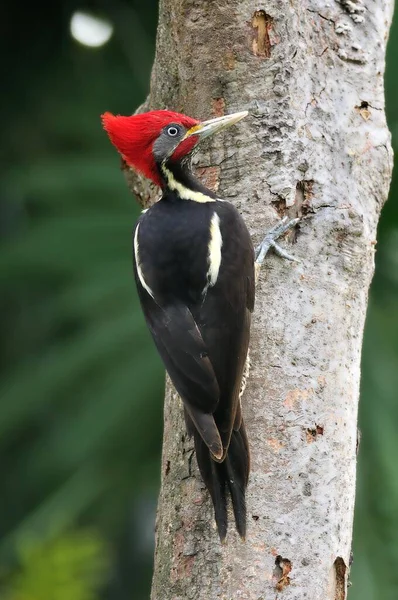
(147, 140)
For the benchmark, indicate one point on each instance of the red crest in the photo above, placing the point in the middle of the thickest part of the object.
(134, 137)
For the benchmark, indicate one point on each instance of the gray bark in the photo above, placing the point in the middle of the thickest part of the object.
(315, 145)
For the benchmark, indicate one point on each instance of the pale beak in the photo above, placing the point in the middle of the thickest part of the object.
(203, 130)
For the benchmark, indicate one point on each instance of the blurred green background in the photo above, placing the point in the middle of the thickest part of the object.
(81, 386)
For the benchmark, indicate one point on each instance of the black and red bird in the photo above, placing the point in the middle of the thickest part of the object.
(194, 270)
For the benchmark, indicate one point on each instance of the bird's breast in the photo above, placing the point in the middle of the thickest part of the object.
(179, 250)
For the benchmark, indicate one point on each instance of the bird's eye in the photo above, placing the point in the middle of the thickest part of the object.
(173, 131)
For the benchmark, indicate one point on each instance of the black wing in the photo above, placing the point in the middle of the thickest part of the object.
(204, 345)
(225, 316)
(181, 346)
(224, 321)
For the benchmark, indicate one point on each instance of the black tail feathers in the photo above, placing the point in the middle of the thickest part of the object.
(229, 476)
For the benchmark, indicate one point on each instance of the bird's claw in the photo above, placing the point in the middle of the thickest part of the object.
(269, 241)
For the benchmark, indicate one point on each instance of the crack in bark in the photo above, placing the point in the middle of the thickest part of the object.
(323, 52)
(262, 22)
(190, 458)
(283, 567)
(340, 571)
(315, 12)
(315, 98)
(312, 433)
(360, 59)
(304, 194)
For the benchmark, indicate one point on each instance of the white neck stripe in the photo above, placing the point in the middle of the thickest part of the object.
(184, 192)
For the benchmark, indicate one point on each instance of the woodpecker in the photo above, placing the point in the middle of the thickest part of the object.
(194, 266)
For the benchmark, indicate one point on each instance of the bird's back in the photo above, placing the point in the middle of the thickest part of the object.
(194, 265)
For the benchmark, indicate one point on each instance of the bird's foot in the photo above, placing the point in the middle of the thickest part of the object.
(269, 241)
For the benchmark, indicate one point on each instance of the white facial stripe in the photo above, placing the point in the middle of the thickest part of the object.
(137, 262)
(215, 245)
(184, 192)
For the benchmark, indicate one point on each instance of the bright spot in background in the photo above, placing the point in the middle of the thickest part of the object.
(90, 30)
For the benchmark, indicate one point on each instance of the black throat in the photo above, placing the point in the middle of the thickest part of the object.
(178, 178)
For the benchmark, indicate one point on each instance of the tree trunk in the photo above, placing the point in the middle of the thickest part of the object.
(315, 145)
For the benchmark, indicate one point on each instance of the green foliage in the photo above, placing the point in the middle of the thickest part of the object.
(374, 573)
(81, 386)
(71, 566)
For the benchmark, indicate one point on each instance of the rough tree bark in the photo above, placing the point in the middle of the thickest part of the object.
(315, 145)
